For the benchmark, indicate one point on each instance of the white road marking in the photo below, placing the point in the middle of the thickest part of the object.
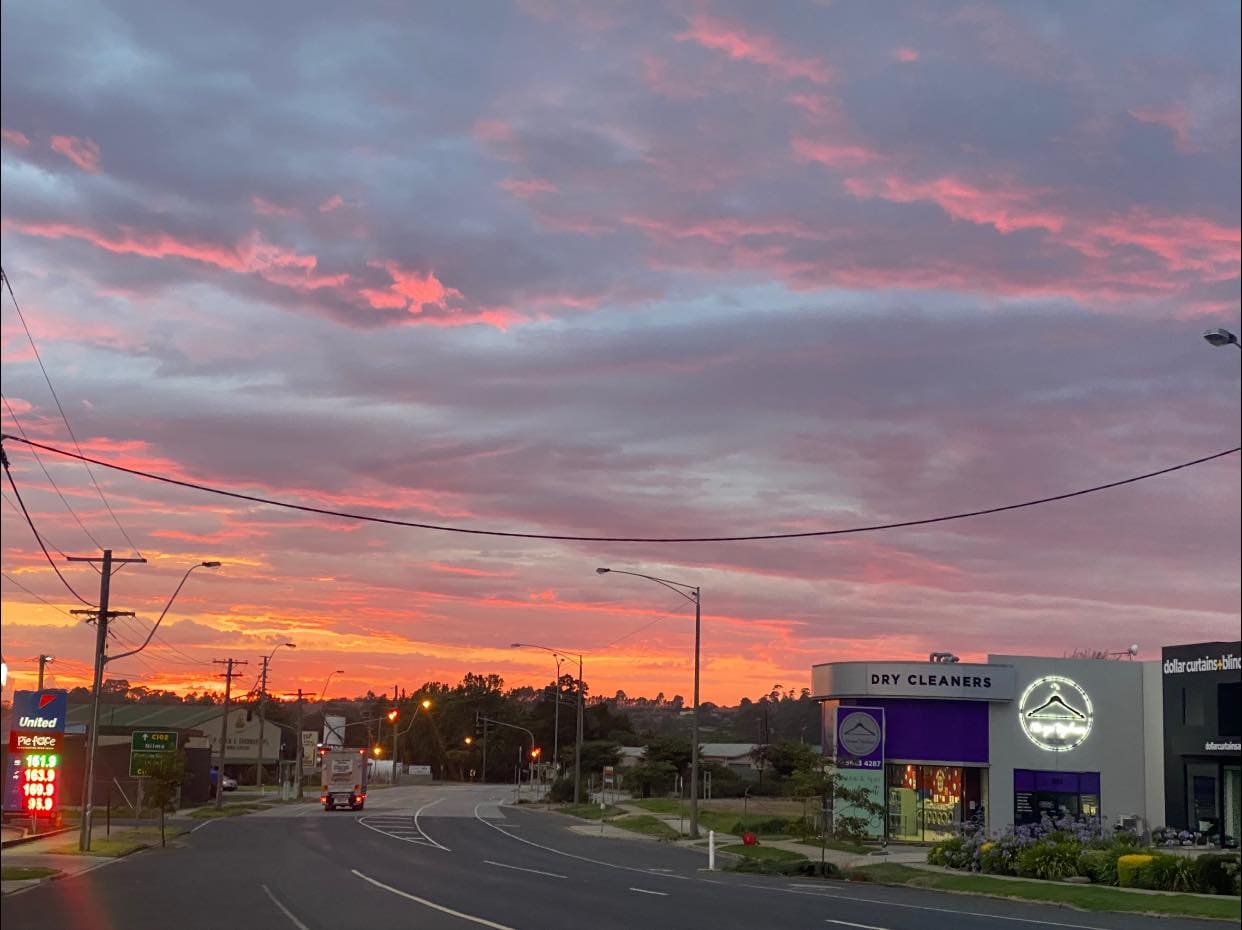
(662, 894)
(417, 813)
(284, 910)
(482, 921)
(419, 839)
(846, 923)
(206, 823)
(519, 868)
(941, 910)
(568, 855)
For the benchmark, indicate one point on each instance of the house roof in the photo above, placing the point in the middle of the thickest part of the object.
(174, 716)
(726, 750)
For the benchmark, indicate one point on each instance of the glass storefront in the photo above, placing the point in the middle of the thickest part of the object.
(1232, 785)
(1054, 794)
(927, 803)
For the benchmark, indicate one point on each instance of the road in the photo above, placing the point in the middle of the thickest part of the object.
(456, 857)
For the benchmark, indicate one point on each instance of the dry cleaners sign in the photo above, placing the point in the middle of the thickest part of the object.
(956, 681)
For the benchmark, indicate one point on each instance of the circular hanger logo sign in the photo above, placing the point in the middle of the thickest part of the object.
(1055, 713)
(859, 734)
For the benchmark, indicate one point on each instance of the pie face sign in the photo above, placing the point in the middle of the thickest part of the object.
(1055, 713)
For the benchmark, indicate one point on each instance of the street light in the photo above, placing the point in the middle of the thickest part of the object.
(92, 738)
(691, 593)
(258, 756)
(44, 661)
(578, 727)
(1221, 337)
(324, 689)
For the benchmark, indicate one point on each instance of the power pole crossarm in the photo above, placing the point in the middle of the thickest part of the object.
(229, 675)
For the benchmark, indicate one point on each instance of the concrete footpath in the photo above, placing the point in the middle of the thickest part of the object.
(38, 853)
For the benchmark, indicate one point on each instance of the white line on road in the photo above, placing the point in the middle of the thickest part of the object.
(519, 868)
(205, 823)
(941, 910)
(284, 910)
(846, 923)
(569, 855)
(417, 813)
(662, 894)
(482, 921)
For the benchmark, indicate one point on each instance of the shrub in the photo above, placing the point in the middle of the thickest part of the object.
(561, 791)
(1049, 861)
(946, 852)
(1216, 874)
(1128, 868)
(1099, 865)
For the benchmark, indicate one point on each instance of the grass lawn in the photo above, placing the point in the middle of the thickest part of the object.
(647, 825)
(662, 805)
(17, 873)
(229, 810)
(768, 853)
(1086, 897)
(588, 811)
(121, 843)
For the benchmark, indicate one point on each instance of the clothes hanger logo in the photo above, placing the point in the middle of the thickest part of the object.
(1055, 713)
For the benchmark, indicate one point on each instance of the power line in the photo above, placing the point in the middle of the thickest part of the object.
(21, 316)
(37, 597)
(754, 537)
(39, 539)
(51, 480)
(680, 606)
(46, 538)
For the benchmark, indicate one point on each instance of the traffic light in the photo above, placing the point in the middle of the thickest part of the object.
(480, 726)
(392, 715)
(378, 751)
(469, 740)
(536, 753)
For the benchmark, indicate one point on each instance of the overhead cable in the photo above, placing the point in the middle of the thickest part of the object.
(557, 537)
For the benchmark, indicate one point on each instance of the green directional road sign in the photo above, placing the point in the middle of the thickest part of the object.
(146, 747)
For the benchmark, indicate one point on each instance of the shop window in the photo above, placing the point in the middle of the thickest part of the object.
(924, 802)
(1229, 708)
(1231, 785)
(1054, 794)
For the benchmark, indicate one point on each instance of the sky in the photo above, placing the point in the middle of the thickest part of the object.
(680, 269)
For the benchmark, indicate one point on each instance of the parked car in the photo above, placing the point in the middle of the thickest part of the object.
(230, 783)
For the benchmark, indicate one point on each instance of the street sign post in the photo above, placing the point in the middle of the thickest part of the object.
(146, 747)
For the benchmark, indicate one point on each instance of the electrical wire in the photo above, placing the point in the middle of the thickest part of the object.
(51, 480)
(37, 597)
(754, 537)
(21, 316)
(47, 539)
(29, 522)
(159, 641)
(681, 606)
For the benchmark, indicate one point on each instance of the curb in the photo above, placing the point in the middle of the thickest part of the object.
(18, 841)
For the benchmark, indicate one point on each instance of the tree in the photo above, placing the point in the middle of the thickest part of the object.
(787, 756)
(164, 777)
(672, 750)
(819, 778)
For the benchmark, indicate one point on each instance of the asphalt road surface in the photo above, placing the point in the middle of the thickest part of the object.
(457, 858)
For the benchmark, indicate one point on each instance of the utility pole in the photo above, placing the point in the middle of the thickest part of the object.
(44, 661)
(102, 616)
(395, 692)
(301, 749)
(228, 676)
(578, 742)
(258, 755)
(483, 773)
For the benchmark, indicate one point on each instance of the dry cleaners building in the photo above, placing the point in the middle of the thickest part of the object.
(1001, 742)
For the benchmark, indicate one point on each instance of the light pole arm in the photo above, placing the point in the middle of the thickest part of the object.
(158, 621)
(676, 586)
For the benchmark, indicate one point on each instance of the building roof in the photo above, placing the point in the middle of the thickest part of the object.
(174, 716)
(726, 750)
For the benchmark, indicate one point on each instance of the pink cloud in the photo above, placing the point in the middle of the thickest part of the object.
(335, 202)
(82, 152)
(834, 154)
(493, 130)
(1175, 119)
(267, 208)
(525, 189)
(906, 54)
(1005, 206)
(742, 44)
(13, 137)
(410, 290)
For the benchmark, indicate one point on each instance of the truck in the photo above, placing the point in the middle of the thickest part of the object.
(344, 779)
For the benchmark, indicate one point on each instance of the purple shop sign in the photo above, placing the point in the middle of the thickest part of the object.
(860, 738)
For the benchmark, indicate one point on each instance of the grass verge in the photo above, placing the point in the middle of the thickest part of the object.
(18, 873)
(661, 805)
(229, 810)
(121, 843)
(646, 825)
(1086, 897)
(763, 853)
(589, 811)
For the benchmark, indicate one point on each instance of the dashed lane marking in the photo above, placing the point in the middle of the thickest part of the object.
(482, 921)
(662, 894)
(519, 868)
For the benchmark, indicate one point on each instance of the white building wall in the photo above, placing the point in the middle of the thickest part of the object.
(1153, 749)
(1117, 747)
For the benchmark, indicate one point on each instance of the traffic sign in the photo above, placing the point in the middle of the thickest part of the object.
(146, 747)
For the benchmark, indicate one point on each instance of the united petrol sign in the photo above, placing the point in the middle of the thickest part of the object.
(33, 776)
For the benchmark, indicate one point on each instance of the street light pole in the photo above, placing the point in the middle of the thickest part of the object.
(691, 593)
(44, 661)
(1221, 338)
(258, 756)
(578, 733)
